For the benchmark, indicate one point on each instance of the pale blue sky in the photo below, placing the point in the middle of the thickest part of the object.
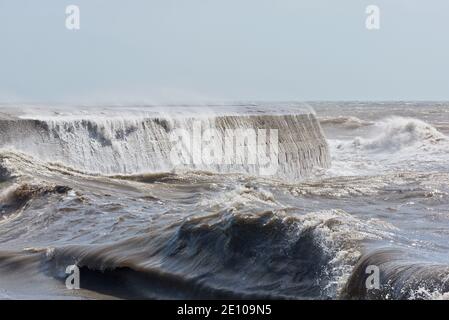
(193, 50)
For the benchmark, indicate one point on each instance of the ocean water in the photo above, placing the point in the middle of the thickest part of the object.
(358, 184)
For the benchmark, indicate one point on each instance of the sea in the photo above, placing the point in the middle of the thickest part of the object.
(356, 208)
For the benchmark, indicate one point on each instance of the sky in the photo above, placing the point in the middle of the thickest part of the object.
(147, 51)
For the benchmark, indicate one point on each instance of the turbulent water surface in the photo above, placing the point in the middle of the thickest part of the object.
(357, 185)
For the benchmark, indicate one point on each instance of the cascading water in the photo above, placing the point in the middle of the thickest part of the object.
(118, 144)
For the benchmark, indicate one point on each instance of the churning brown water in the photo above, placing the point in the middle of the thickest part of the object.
(357, 184)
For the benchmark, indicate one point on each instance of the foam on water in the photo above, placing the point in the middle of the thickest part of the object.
(397, 133)
(387, 145)
(94, 187)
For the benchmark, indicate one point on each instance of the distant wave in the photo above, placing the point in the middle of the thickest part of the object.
(396, 133)
(345, 122)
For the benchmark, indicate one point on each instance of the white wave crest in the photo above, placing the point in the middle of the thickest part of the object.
(396, 133)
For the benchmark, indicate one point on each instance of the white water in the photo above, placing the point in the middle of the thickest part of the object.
(109, 142)
(393, 143)
(387, 190)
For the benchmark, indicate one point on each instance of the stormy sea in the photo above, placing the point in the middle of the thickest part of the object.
(357, 186)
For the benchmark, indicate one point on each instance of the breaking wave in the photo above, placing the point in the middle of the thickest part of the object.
(109, 144)
(395, 143)
(279, 255)
(402, 275)
(397, 133)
